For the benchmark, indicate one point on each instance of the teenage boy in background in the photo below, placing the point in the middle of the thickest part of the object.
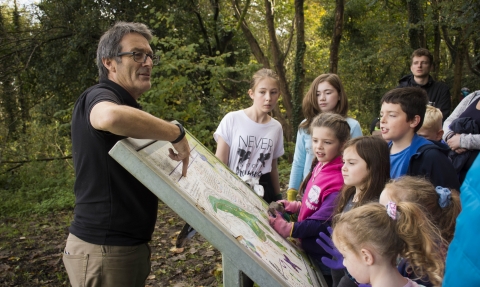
(438, 93)
(401, 116)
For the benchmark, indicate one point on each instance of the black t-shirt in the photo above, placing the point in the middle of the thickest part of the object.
(112, 207)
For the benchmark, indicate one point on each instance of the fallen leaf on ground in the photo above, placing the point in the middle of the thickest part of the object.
(177, 250)
(209, 253)
(179, 257)
(218, 270)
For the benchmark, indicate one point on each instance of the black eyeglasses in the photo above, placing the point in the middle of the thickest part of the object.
(140, 57)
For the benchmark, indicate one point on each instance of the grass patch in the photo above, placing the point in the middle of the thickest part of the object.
(37, 188)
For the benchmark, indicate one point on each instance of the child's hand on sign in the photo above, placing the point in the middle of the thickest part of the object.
(274, 207)
(283, 227)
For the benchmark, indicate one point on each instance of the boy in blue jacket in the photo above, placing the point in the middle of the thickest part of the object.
(401, 116)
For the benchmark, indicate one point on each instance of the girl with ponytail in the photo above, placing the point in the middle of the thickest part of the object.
(440, 204)
(371, 238)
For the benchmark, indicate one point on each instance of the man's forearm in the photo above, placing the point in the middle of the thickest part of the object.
(131, 122)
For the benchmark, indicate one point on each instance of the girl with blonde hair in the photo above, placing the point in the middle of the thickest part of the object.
(372, 237)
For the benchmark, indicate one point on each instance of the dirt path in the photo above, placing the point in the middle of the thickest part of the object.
(30, 253)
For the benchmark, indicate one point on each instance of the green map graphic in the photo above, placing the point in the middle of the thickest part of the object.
(280, 245)
(248, 218)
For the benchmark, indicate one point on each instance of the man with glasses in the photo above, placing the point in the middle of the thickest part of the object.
(115, 214)
(438, 92)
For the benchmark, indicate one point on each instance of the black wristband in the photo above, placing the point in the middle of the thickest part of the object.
(181, 136)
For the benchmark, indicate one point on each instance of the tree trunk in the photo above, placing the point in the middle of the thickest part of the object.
(458, 69)
(278, 60)
(474, 68)
(436, 38)
(252, 42)
(337, 36)
(298, 82)
(417, 32)
(10, 107)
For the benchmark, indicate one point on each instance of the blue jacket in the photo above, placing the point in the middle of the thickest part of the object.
(463, 257)
(429, 159)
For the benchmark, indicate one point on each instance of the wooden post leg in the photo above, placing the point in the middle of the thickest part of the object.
(246, 281)
(232, 276)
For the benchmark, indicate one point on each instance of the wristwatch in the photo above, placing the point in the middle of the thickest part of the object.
(181, 136)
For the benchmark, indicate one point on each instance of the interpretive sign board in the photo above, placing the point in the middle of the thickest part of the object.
(222, 208)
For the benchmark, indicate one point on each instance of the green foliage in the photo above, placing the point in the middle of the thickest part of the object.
(28, 185)
(372, 57)
(285, 164)
(37, 187)
(192, 87)
(36, 195)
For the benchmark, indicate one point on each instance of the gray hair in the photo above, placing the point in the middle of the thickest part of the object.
(109, 44)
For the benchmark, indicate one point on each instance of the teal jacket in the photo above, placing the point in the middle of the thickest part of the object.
(463, 257)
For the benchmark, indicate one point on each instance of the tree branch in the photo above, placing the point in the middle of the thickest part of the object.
(12, 168)
(290, 39)
(336, 35)
(299, 70)
(216, 13)
(448, 41)
(202, 29)
(244, 12)
(39, 159)
(278, 58)
(470, 66)
(252, 42)
(237, 81)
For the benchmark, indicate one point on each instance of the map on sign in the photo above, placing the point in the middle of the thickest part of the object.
(224, 197)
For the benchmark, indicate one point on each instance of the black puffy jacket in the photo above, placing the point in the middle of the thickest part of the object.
(438, 93)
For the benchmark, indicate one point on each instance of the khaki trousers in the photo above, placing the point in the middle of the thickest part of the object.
(91, 265)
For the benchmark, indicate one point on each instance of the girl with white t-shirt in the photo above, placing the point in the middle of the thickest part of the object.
(250, 141)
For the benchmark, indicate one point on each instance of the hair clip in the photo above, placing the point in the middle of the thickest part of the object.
(444, 196)
(392, 210)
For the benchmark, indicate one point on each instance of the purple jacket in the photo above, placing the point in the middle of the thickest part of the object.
(330, 181)
(309, 229)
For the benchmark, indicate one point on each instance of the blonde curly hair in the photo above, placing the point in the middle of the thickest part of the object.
(411, 235)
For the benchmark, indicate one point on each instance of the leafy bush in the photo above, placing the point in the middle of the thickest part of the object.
(33, 176)
(38, 187)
